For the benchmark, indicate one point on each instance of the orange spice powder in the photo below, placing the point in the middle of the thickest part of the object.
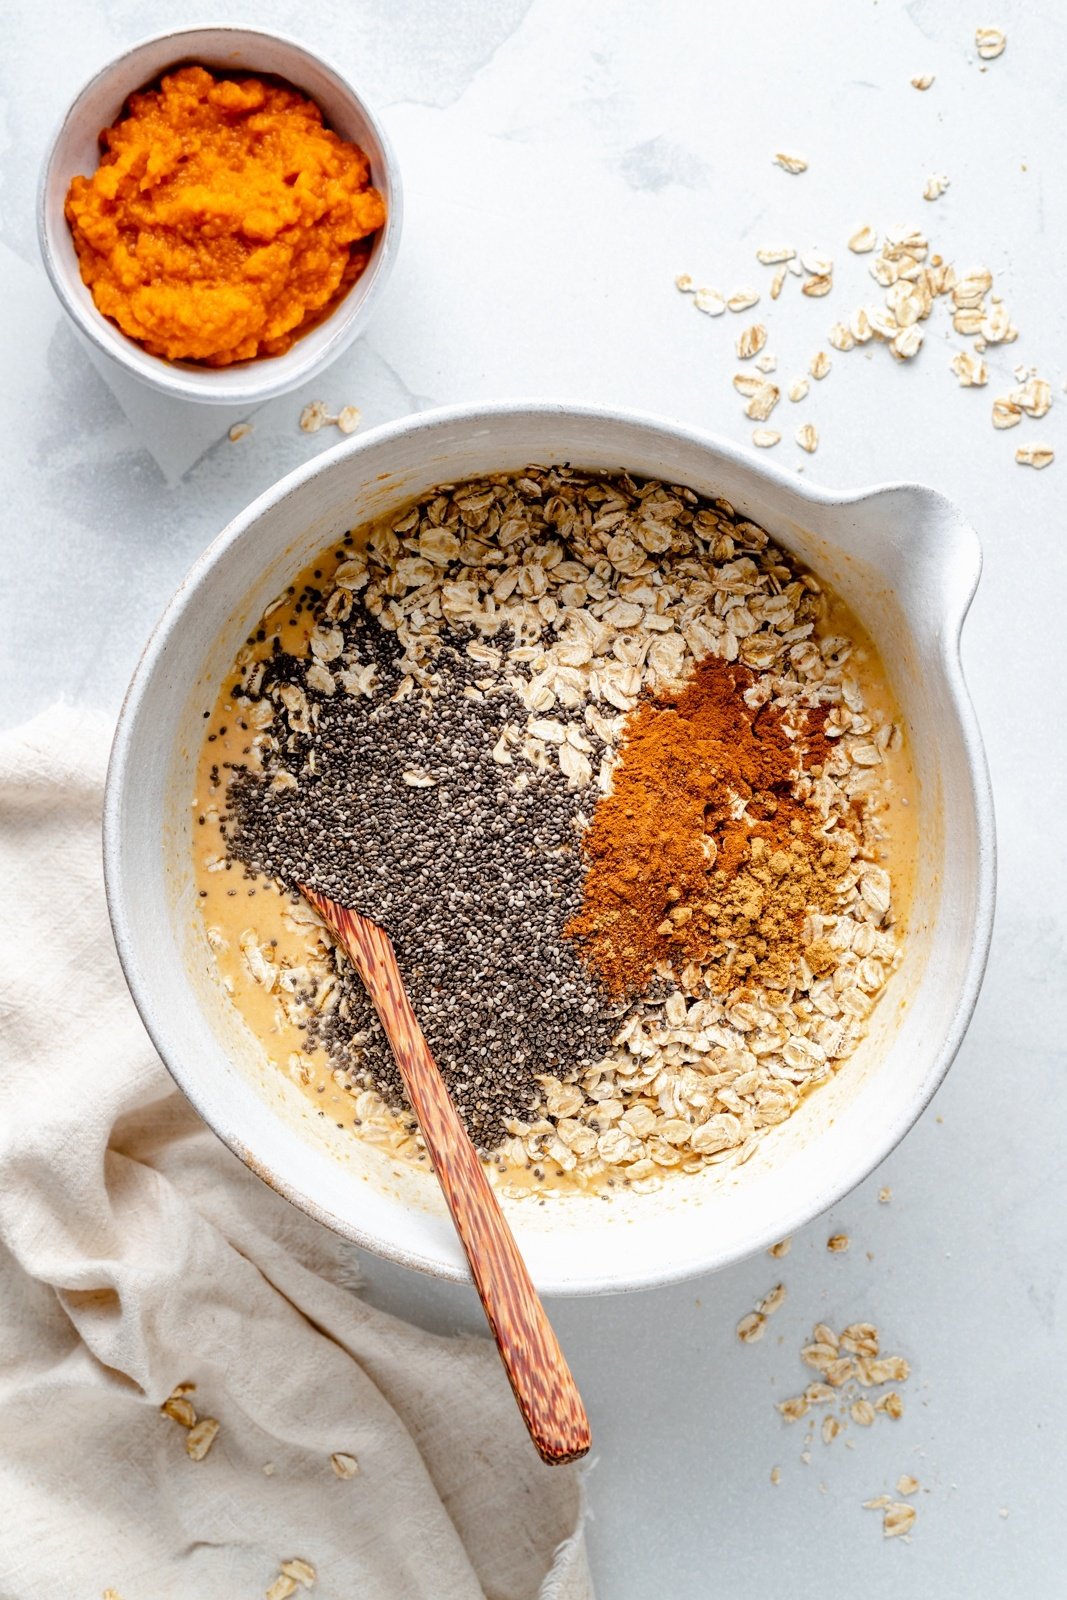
(702, 857)
(223, 220)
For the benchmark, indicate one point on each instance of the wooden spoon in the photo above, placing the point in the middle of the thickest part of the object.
(540, 1377)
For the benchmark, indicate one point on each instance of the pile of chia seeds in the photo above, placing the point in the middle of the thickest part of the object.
(473, 878)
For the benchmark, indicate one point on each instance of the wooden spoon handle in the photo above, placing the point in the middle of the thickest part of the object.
(542, 1382)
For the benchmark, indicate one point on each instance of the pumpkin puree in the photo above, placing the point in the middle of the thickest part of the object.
(223, 220)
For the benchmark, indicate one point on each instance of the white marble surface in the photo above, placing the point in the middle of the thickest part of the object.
(562, 164)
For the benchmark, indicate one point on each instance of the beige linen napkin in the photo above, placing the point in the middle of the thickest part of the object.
(136, 1253)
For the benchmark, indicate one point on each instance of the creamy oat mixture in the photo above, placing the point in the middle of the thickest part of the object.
(556, 603)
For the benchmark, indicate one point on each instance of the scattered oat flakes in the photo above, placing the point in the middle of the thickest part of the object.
(710, 301)
(772, 1301)
(314, 416)
(766, 362)
(782, 1248)
(763, 402)
(181, 1409)
(891, 1404)
(751, 1327)
(935, 186)
(990, 42)
(970, 369)
(838, 1243)
(906, 1484)
(684, 283)
(747, 383)
(807, 437)
(907, 343)
(771, 255)
(817, 286)
(820, 364)
(776, 1474)
(1006, 412)
(776, 283)
(1035, 455)
(302, 1571)
(1034, 396)
(996, 327)
(111, 1594)
(765, 438)
(885, 1194)
(240, 430)
(741, 299)
(863, 240)
(793, 1409)
(862, 1412)
(841, 337)
(348, 418)
(750, 341)
(922, 80)
(282, 1588)
(790, 162)
(199, 1439)
(344, 1465)
(898, 1518)
(860, 1339)
(268, 1469)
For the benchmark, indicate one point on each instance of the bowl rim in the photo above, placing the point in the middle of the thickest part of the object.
(867, 1158)
(169, 377)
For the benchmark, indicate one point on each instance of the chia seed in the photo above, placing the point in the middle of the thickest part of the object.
(473, 878)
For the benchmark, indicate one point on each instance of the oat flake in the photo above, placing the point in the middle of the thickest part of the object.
(1035, 455)
(807, 437)
(990, 43)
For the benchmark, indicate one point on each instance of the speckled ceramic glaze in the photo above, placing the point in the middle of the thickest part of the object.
(900, 555)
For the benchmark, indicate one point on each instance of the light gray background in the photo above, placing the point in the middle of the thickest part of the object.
(561, 165)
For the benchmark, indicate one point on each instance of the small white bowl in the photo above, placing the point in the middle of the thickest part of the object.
(75, 149)
(905, 560)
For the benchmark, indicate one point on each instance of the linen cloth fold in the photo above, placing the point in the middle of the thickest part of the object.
(137, 1253)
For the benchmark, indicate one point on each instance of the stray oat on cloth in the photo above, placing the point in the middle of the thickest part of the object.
(136, 1253)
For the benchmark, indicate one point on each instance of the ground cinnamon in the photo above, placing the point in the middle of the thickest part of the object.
(702, 853)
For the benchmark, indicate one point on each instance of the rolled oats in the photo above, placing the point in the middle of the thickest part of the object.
(863, 240)
(750, 341)
(201, 1437)
(807, 437)
(1035, 455)
(970, 369)
(990, 43)
(710, 301)
(790, 162)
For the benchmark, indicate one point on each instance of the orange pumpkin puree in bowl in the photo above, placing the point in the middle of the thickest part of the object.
(223, 220)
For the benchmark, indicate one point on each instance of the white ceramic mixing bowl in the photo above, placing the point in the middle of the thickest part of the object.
(900, 555)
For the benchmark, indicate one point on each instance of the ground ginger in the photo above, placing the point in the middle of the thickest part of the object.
(702, 853)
